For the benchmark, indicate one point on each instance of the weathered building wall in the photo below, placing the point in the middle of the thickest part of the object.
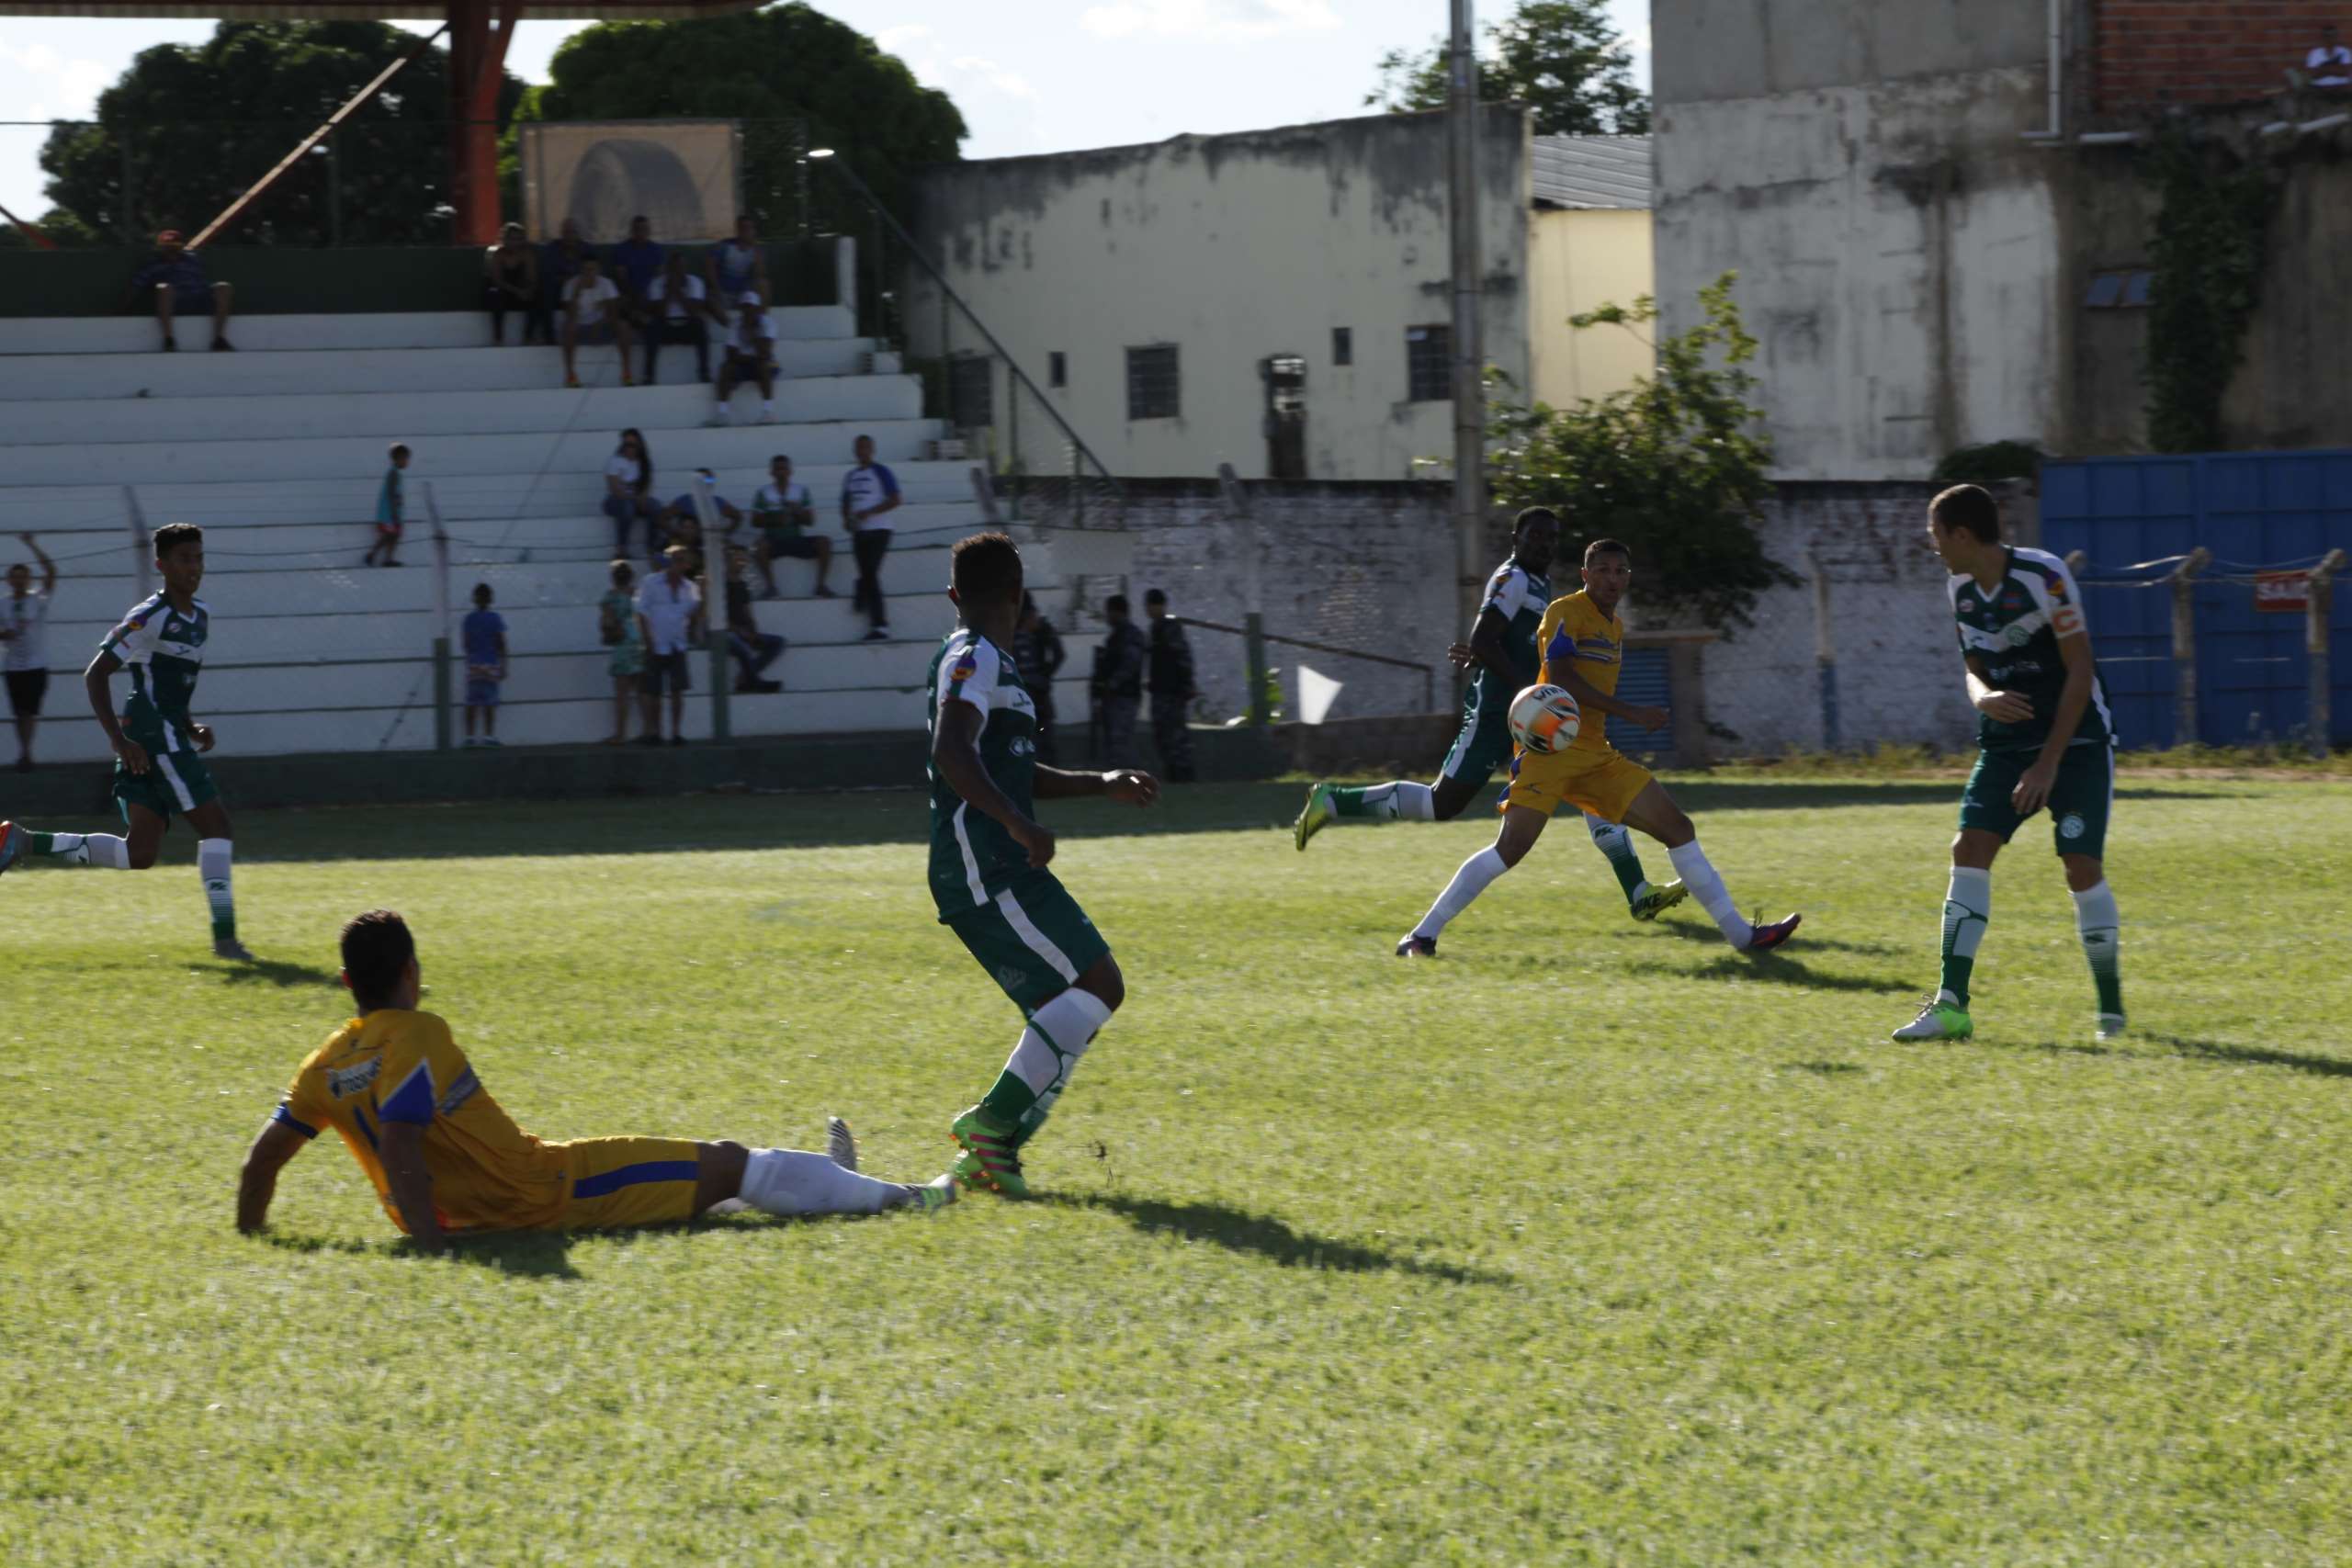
(1862, 167)
(1577, 261)
(1232, 248)
(1890, 624)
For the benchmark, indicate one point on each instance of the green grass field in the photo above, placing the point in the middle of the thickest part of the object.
(1588, 1242)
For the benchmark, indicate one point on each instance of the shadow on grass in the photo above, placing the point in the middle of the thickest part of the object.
(538, 1255)
(278, 972)
(1704, 932)
(2209, 1051)
(1241, 1231)
(1822, 1070)
(1775, 967)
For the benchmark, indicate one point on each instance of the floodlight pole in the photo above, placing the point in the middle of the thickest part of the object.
(1469, 358)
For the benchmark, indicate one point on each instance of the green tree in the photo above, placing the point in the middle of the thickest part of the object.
(1673, 464)
(202, 123)
(1564, 59)
(777, 70)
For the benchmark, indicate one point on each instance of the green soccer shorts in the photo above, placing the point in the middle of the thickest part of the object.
(2081, 798)
(1033, 938)
(174, 781)
(1483, 746)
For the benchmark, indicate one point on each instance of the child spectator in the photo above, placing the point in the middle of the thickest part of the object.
(753, 650)
(175, 282)
(618, 626)
(485, 636)
(784, 513)
(511, 282)
(391, 497)
(751, 357)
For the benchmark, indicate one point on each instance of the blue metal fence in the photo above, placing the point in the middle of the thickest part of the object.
(2254, 511)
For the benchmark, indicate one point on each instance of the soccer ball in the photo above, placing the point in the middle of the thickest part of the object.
(1544, 718)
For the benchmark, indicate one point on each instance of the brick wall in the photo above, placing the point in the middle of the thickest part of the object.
(2149, 53)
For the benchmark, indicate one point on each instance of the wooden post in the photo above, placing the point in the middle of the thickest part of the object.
(2184, 646)
(2320, 725)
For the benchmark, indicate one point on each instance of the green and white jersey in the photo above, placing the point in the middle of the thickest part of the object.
(2012, 629)
(1520, 597)
(972, 858)
(164, 649)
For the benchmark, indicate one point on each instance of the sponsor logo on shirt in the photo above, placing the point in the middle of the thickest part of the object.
(344, 1082)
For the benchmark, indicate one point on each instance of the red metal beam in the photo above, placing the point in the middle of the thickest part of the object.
(228, 215)
(32, 231)
(478, 43)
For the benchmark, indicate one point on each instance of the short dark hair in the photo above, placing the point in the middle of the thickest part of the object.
(779, 457)
(1116, 604)
(1969, 508)
(623, 571)
(1532, 514)
(376, 947)
(985, 567)
(481, 593)
(1155, 596)
(1606, 547)
(172, 536)
(400, 449)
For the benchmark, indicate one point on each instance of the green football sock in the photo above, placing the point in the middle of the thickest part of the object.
(1967, 908)
(1614, 841)
(2099, 924)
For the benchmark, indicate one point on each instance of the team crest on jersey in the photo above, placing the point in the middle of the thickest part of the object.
(966, 668)
(344, 1082)
(1022, 746)
(2070, 825)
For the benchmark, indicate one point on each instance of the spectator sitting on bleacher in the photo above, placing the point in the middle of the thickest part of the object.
(738, 266)
(636, 262)
(753, 650)
(678, 307)
(621, 631)
(786, 516)
(392, 502)
(511, 282)
(682, 524)
(175, 282)
(592, 312)
(751, 357)
(628, 493)
(2329, 64)
(560, 261)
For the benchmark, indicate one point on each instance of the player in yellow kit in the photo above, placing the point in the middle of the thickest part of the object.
(447, 1160)
(1582, 641)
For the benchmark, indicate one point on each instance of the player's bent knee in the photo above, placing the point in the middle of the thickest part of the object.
(1104, 983)
(2083, 872)
(1972, 849)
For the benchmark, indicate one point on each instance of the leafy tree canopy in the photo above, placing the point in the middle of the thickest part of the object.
(1673, 466)
(202, 123)
(1564, 59)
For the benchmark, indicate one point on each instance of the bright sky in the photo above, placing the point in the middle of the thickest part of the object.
(1072, 74)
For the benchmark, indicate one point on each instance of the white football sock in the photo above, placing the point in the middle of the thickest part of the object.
(1402, 801)
(792, 1181)
(2099, 924)
(101, 849)
(1476, 873)
(1707, 887)
(1968, 909)
(1058, 1035)
(212, 861)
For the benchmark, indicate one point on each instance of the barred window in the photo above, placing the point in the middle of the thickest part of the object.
(1152, 391)
(1429, 364)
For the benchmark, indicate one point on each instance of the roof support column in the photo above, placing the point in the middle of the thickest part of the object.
(478, 43)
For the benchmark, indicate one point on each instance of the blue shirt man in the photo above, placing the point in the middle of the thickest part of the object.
(636, 261)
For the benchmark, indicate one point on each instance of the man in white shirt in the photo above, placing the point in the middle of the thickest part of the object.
(23, 615)
(668, 610)
(592, 313)
(869, 494)
(2329, 64)
(751, 357)
(676, 306)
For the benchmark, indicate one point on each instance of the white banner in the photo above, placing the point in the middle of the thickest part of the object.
(680, 173)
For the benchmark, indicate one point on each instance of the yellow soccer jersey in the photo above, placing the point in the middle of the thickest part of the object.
(1576, 633)
(394, 1065)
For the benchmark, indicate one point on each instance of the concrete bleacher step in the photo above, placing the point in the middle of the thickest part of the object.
(526, 500)
(360, 459)
(419, 415)
(332, 334)
(73, 376)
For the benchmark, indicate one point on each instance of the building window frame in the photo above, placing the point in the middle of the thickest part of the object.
(1429, 364)
(1155, 381)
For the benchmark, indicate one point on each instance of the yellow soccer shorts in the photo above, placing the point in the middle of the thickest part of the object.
(1603, 782)
(629, 1181)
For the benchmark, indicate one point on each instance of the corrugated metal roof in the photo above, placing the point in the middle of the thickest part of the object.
(1592, 171)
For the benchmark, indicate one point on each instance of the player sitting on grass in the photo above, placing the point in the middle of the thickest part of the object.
(447, 1160)
(1502, 651)
(159, 764)
(1583, 642)
(2044, 738)
(989, 858)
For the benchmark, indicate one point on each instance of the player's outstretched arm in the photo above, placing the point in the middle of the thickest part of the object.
(257, 1183)
(955, 752)
(412, 1183)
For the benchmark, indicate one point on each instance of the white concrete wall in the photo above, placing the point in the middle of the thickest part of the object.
(1233, 248)
(1578, 261)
